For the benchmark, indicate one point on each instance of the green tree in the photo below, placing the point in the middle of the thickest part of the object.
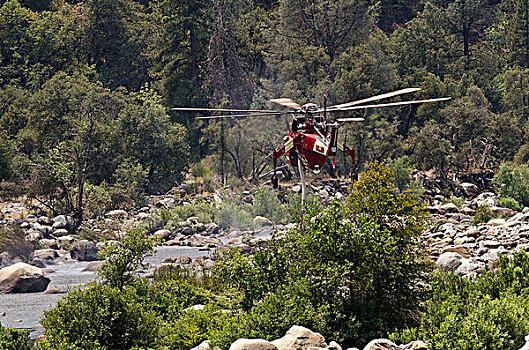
(518, 33)
(160, 146)
(69, 122)
(111, 44)
(358, 259)
(124, 258)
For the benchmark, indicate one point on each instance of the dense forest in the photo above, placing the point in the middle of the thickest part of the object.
(86, 87)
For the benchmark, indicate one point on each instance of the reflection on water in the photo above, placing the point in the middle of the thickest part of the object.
(25, 310)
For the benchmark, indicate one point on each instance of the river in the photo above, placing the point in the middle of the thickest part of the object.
(25, 310)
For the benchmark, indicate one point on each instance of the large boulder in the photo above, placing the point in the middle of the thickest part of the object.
(22, 278)
(300, 338)
(449, 260)
(381, 344)
(84, 251)
(252, 344)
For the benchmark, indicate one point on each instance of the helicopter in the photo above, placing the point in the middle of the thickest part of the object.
(313, 137)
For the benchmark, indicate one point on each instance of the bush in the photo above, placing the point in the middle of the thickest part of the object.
(233, 215)
(100, 317)
(362, 259)
(488, 312)
(124, 258)
(509, 202)
(268, 205)
(513, 182)
(482, 215)
(13, 339)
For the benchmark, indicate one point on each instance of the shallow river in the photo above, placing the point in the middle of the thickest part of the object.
(25, 310)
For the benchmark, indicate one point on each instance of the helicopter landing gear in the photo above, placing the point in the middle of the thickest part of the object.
(275, 182)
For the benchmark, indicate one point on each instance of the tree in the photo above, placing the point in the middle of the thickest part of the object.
(159, 146)
(358, 260)
(70, 121)
(227, 78)
(111, 44)
(518, 33)
(124, 258)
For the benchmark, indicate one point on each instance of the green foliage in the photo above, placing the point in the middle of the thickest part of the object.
(360, 259)
(100, 317)
(268, 205)
(124, 258)
(14, 339)
(96, 200)
(487, 312)
(513, 181)
(483, 214)
(508, 202)
(234, 215)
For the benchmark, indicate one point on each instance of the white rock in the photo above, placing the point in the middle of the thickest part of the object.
(252, 344)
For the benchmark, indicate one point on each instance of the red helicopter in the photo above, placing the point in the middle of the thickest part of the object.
(312, 138)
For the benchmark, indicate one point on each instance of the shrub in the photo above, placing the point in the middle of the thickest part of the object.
(96, 199)
(482, 215)
(100, 317)
(362, 259)
(234, 215)
(513, 182)
(487, 312)
(123, 258)
(268, 205)
(509, 202)
(13, 339)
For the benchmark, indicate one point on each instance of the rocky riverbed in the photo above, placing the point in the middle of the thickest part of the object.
(68, 258)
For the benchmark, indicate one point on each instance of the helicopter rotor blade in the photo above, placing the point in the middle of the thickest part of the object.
(396, 104)
(373, 98)
(243, 115)
(192, 109)
(344, 120)
(286, 102)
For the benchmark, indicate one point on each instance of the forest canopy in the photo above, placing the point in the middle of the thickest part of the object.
(86, 87)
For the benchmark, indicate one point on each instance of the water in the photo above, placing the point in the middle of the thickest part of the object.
(25, 310)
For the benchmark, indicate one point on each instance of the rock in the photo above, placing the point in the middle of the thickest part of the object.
(261, 221)
(48, 255)
(496, 222)
(296, 189)
(93, 266)
(84, 251)
(47, 243)
(212, 228)
(22, 278)
(54, 290)
(202, 346)
(252, 344)
(334, 346)
(198, 307)
(300, 338)
(59, 222)
(415, 345)
(448, 208)
(449, 261)
(60, 232)
(463, 251)
(503, 211)
(161, 234)
(469, 189)
(45, 230)
(120, 214)
(37, 263)
(381, 344)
